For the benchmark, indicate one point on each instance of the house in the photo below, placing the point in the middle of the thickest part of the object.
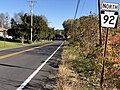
(2, 30)
(4, 34)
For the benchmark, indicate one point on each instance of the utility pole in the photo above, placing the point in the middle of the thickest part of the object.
(100, 28)
(31, 13)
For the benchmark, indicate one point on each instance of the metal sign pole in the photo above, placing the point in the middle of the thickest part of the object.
(103, 61)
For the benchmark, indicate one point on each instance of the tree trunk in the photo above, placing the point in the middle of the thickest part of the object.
(22, 39)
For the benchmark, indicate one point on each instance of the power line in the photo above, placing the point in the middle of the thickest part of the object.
(77, 8)
(31, 13)
(83, 6)
(74, 31)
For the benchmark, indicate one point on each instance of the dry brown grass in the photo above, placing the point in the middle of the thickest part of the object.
(67, 78)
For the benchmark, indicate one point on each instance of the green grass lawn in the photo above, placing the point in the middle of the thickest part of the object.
(8, 45)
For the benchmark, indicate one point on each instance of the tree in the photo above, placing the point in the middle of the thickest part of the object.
(50, 33)
(4, 18)
(40, 28)
(68, 24)
(83, 28)
(19, 29)
(21, 25)
(17, 17)
(13, 30)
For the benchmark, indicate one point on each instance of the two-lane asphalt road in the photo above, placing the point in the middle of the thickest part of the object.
(29, 68)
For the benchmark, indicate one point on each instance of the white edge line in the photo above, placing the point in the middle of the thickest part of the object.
(37, 70)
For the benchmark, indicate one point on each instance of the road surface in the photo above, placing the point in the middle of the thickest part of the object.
(30, 68)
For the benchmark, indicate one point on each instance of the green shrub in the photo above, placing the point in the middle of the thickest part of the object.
(30, 42)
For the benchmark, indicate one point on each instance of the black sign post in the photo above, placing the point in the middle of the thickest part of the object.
(103, 61)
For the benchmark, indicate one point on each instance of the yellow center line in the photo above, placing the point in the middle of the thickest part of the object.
(16, 53)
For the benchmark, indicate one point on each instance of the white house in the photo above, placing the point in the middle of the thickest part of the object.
(2, 31)
(4, 34)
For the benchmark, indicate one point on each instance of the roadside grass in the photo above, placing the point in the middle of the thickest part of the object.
(81, 70)
(72, 76)
(68, 79)
(9, 45)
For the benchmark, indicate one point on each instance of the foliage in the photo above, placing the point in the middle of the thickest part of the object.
(112, 69)
(4, 18)
(67, 27)
(21, 28)
(86, 56)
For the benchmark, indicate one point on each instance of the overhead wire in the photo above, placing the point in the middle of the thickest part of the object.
(76, 9)
(83, 6)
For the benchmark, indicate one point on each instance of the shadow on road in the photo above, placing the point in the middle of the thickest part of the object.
(14, 66)
(47, 81)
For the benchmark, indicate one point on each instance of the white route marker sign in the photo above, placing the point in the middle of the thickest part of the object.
(109, 19)
(109, 14)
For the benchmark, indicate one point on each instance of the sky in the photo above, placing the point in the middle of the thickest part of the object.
(56, 11)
